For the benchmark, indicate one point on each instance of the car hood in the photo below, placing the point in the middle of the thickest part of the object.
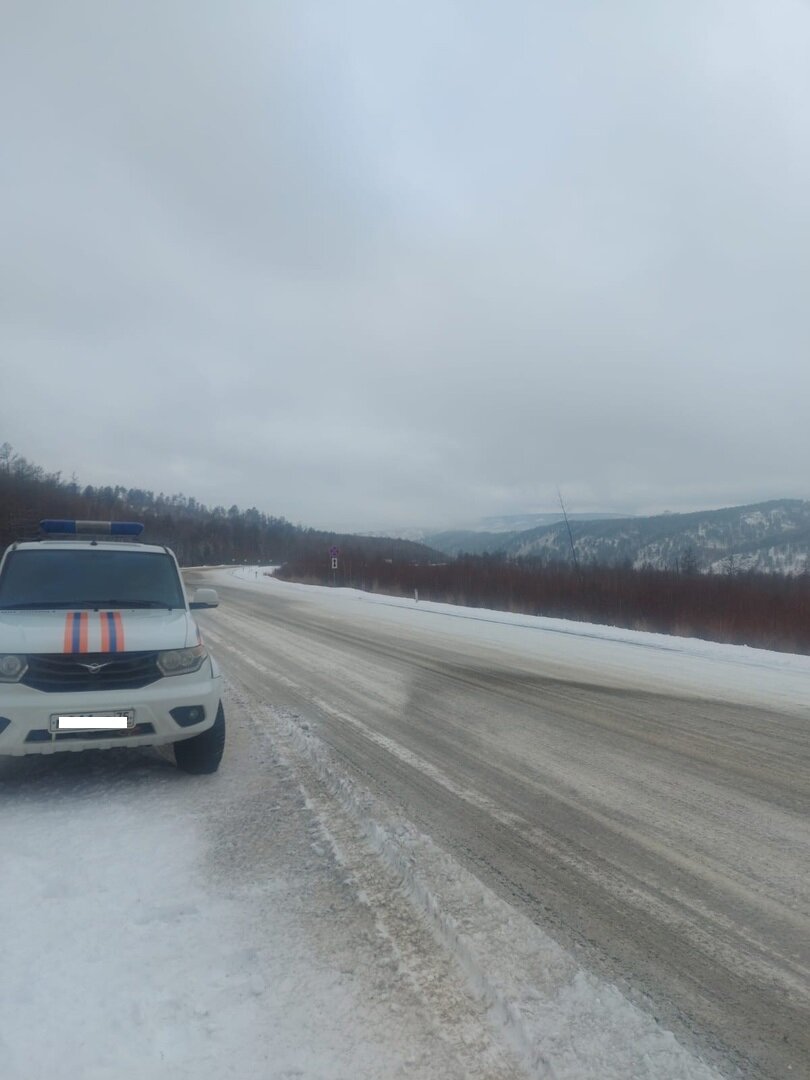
(95, 631)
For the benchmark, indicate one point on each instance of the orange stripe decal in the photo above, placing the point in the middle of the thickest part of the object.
(83, 627)
(105, 632)
(68, 632)
(119, 632)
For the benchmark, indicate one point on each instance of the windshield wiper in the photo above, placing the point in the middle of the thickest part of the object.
(49, 605)
(82, 605)
(115, 602)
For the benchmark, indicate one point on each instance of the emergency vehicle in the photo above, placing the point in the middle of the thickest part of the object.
(99, 648)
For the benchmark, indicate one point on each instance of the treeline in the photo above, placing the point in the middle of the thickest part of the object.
(197, 534)
(762, 610)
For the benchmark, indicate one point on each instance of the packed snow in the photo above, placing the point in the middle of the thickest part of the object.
(157, 925)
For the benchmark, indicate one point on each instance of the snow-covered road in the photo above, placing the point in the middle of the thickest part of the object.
(643, 800)
(443, 844)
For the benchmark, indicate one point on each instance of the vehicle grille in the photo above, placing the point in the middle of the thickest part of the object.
(56, 673)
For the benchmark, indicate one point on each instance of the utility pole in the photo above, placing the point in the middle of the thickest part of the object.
(570, 534)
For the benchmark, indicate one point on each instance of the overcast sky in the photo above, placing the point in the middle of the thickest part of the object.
(382, 264)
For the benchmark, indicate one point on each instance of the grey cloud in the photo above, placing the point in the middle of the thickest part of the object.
(393, 264)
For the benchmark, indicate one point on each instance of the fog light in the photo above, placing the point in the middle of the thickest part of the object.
(186, 715)
(12, 667)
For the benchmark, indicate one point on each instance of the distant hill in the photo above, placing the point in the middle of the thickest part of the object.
(495, 533)
(772, 537)
(522, 522)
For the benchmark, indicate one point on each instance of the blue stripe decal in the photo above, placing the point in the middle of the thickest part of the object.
(112, 630)
(76, 640)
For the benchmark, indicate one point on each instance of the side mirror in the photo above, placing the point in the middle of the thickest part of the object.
(204, 598)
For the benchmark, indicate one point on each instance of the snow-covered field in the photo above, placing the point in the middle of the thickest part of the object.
(279, 920)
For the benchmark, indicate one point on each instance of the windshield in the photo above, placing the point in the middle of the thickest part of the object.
(71, 578)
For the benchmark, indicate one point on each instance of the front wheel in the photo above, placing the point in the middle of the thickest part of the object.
(202, 753)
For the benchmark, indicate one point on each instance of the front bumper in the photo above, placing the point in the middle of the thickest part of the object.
(28, 713)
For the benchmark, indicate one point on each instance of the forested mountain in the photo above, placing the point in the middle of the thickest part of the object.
(197, 534)
(772, 537)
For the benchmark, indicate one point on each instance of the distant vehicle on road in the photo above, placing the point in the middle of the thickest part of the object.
(99, 649)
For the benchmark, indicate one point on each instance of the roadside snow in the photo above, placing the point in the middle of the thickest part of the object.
(156, 925)
(117, 961)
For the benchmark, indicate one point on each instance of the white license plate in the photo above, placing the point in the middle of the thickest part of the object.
(107, 721)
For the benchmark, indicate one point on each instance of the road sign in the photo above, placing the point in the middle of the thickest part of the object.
(334, 552)
(334, 564)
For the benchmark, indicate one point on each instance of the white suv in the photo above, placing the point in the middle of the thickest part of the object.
(98, 648)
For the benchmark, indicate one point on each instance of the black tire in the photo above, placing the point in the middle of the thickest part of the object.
(202, 753)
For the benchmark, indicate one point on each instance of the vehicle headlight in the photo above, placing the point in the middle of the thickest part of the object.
(12, 667)
(182, 661)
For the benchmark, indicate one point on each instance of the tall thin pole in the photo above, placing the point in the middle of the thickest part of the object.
(570, 534)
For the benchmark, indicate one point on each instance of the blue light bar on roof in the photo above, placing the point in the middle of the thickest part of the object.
(66, 527)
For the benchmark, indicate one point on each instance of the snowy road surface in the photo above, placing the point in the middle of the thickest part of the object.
(443, 844)
(643, 800)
